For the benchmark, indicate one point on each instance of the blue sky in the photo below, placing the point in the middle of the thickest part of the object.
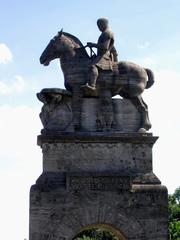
(146, 32)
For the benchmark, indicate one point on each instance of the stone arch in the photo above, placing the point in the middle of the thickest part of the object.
(99, 208)
(103, 226)
(96, 209)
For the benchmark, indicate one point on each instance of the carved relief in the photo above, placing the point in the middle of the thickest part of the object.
(56, 113)
(96, 114)
(102, 183)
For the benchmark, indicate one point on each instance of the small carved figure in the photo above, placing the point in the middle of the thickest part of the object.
(106, 52)
(56, 113)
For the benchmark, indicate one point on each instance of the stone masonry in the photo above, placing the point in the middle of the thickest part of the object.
(96, 178)
(97, 151)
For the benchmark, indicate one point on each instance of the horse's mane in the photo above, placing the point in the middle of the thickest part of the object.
(73, 38)
(80, 50)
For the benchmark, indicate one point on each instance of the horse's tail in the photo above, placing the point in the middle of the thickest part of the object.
(150, 81)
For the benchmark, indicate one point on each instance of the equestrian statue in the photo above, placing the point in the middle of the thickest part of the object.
(99, 74)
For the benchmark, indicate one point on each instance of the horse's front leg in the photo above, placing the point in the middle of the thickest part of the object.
(143, 109)
(76, 107)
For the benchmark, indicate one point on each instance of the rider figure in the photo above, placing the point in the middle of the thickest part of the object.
(106, 52)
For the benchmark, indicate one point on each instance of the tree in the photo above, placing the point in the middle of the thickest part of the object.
(174, 214)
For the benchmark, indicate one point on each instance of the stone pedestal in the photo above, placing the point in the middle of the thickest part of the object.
(98, 179)
(97, 154)
(93, 114)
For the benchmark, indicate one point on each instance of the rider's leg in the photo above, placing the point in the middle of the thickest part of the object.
(93, 75)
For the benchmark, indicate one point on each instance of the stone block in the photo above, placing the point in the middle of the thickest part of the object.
(98, 178)
(72, 153)
(95, 114)
(139, 213)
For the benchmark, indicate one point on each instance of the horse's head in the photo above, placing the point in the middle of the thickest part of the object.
(51, 52)
(62, 44)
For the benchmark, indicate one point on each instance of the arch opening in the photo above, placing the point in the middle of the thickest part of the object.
(99, 232)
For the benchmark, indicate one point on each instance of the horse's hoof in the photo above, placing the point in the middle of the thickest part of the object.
(142, 130)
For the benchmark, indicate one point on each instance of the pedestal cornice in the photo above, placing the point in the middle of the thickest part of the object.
(88, 137)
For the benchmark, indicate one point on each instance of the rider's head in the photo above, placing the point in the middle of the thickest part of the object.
(102, 24)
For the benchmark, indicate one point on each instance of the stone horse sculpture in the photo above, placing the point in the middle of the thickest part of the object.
(126, 79)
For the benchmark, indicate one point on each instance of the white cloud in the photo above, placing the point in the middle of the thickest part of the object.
(5, 54)
(143, 45)
(4, 88)
(21, 162)
(17, 85)
(22, 123)
(163, 102)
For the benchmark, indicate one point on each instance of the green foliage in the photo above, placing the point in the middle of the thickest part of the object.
(84, 237)
(174, 230)
(174, 215)
(95, 234)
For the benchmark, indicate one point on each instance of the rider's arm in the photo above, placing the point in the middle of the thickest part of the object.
(104, 45)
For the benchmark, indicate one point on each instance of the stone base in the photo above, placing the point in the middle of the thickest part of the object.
(93, 114)
(92, 179)
(59, 212)
(93, 152)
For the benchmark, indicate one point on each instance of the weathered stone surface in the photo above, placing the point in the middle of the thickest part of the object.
(95, 182)
(94, 153)
(126, 116)
(98, 178)
(140, 213)
(57, 115)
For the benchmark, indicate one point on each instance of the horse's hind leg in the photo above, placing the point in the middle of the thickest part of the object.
(142, 107)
